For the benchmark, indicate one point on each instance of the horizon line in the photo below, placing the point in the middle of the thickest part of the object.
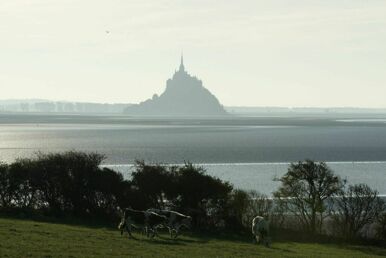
(227, 106)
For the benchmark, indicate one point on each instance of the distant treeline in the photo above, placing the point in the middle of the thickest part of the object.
(62, 107)
(310, 198)
(47, 106)
(303, 110)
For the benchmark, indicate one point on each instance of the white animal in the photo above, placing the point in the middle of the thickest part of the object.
(148, 221)
(175, 221)
(260, 230)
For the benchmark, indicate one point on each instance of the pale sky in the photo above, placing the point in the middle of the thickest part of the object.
(247, 52)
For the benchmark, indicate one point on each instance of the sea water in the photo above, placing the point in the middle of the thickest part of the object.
(247, 151)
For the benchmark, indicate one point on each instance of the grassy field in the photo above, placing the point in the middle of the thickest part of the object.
(23, 238)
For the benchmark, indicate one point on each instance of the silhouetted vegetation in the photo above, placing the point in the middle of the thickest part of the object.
(186, 189)
(304, 191)
(66, 184)
(356, 206)
(381, 226)
(75, 185)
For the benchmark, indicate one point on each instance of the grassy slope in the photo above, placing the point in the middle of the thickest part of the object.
(21, 238)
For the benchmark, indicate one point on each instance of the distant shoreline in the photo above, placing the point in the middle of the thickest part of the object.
(41, 106)
(252, 176)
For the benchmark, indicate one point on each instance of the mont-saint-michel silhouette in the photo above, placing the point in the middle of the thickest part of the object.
(184, 95)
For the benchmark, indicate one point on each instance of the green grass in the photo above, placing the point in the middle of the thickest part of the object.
(24, 238)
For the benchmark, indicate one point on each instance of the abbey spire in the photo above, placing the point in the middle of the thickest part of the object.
(182, 67)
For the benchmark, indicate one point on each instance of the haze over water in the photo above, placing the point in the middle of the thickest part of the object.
(248, 151)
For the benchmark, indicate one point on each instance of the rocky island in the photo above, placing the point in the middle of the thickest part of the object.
(184, 95)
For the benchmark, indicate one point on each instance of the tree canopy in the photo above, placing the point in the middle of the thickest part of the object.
(305, 189)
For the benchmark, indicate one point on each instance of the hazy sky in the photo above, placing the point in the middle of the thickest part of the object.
(247, 52)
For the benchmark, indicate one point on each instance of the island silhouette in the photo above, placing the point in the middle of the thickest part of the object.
(184, 95)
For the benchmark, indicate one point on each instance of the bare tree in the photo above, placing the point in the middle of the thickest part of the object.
(258, 204)
(245, 205)
(381, 226)
(356, 206)
(304, 191)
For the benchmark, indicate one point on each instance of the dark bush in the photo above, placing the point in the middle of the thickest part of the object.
(7, 191)
(74, 184)
(381, 226)
(155, 183)
(62, 184)
(187, 189)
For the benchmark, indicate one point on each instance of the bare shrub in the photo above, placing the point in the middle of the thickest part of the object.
(357, 206)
